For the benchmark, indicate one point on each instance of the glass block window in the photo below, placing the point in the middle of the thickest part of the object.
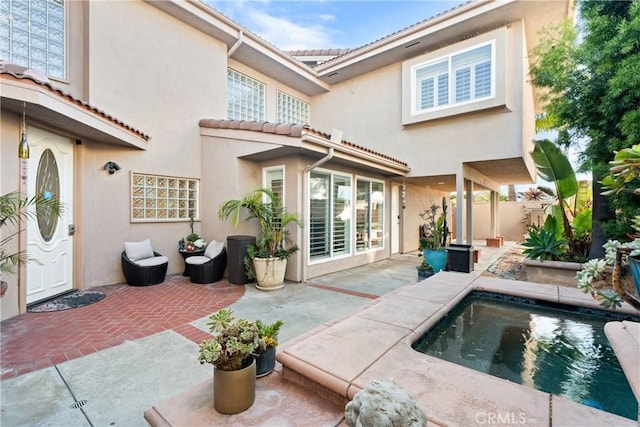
(292, 110)
(163, 198)
(465, 76)
(32, 34)
(245, 97)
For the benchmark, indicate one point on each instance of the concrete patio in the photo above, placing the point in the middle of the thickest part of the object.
(157, 370)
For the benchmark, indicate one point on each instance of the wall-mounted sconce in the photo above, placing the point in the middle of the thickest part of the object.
(404, 195)
(112, 167)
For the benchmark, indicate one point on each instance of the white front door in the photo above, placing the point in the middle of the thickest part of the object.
(49, 242)
(395, 219)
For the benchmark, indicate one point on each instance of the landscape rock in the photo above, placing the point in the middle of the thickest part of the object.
(384, 404)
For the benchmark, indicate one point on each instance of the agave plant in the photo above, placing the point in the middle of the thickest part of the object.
(544, 243)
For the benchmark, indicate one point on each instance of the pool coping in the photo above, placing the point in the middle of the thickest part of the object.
(346, 354)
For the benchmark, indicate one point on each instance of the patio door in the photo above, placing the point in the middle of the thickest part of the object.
(49, 238)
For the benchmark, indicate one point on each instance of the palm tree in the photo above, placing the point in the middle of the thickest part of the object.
(15, 210)
(265, 206)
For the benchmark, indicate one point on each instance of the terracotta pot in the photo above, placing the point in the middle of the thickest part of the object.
(234, 391)
(269, 273)
(266, 362)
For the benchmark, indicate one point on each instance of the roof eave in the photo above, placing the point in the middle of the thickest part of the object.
(441, 30)
(45, 107)
(252, 51)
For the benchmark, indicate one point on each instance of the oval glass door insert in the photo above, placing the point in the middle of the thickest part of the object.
(47, 187)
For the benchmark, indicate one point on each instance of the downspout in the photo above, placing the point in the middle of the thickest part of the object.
(305, 198)
(237, 44)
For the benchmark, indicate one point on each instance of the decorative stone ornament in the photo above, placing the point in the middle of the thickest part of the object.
(383, 403)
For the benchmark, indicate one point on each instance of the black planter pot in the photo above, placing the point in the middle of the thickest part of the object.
(265, 362)
(424, 274)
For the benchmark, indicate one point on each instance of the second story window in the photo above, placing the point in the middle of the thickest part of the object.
(245, 97)
(32, 34)
(465, 76)
(292, 110)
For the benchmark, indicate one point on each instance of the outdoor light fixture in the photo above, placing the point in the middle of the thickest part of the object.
(112, 167)
(23, 147)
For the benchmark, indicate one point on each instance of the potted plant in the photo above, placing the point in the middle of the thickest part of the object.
(231, 351)
(434, 235)
(267, 259)
(193, 242)
(266, 353)
(424, 270)
(15, 210)
(618, 257)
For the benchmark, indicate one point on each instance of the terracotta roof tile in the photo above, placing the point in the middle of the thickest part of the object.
(290, 130)
(269, 127)
(9, 70)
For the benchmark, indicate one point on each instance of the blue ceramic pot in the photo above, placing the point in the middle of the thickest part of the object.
(436, 259)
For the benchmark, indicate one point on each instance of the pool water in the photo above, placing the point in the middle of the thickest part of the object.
(549, 347)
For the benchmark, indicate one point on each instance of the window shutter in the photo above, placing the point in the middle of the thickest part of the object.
(483, 80)
(426, 100)
(463, 85)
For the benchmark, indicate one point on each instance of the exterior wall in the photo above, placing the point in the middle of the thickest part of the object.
(428, 146)
(158, 75)
(418, 199)
(514, 217)
(10, 173)
(239, 177)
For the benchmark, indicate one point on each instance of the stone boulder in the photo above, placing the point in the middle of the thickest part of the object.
(384, 404)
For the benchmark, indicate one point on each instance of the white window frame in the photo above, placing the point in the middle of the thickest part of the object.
(293, 110)
(349, 250)
(17, 32)
(355, 225)
(267, 184)
(415, 82)
(246, 108)
(178, 197)
(352, 250)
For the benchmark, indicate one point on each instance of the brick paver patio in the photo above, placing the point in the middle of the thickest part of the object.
(34, 341)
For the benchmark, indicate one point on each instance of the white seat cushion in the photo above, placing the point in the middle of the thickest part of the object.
(213, 249)
(153, 261)
(138, 250)
(197, 260)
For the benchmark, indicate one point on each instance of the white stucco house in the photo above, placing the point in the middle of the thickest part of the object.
(195, 110)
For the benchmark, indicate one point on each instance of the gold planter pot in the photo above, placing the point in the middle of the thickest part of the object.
(234, 391)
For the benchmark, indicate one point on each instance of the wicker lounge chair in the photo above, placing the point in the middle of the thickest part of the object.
(143, 266)
(210, 267)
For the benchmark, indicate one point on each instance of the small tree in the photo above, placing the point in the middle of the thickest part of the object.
(15, 210)
(592, 95)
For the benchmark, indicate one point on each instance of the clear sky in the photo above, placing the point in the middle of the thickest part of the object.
(317, 24)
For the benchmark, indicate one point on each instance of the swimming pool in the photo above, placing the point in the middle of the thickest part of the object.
(550, 347)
